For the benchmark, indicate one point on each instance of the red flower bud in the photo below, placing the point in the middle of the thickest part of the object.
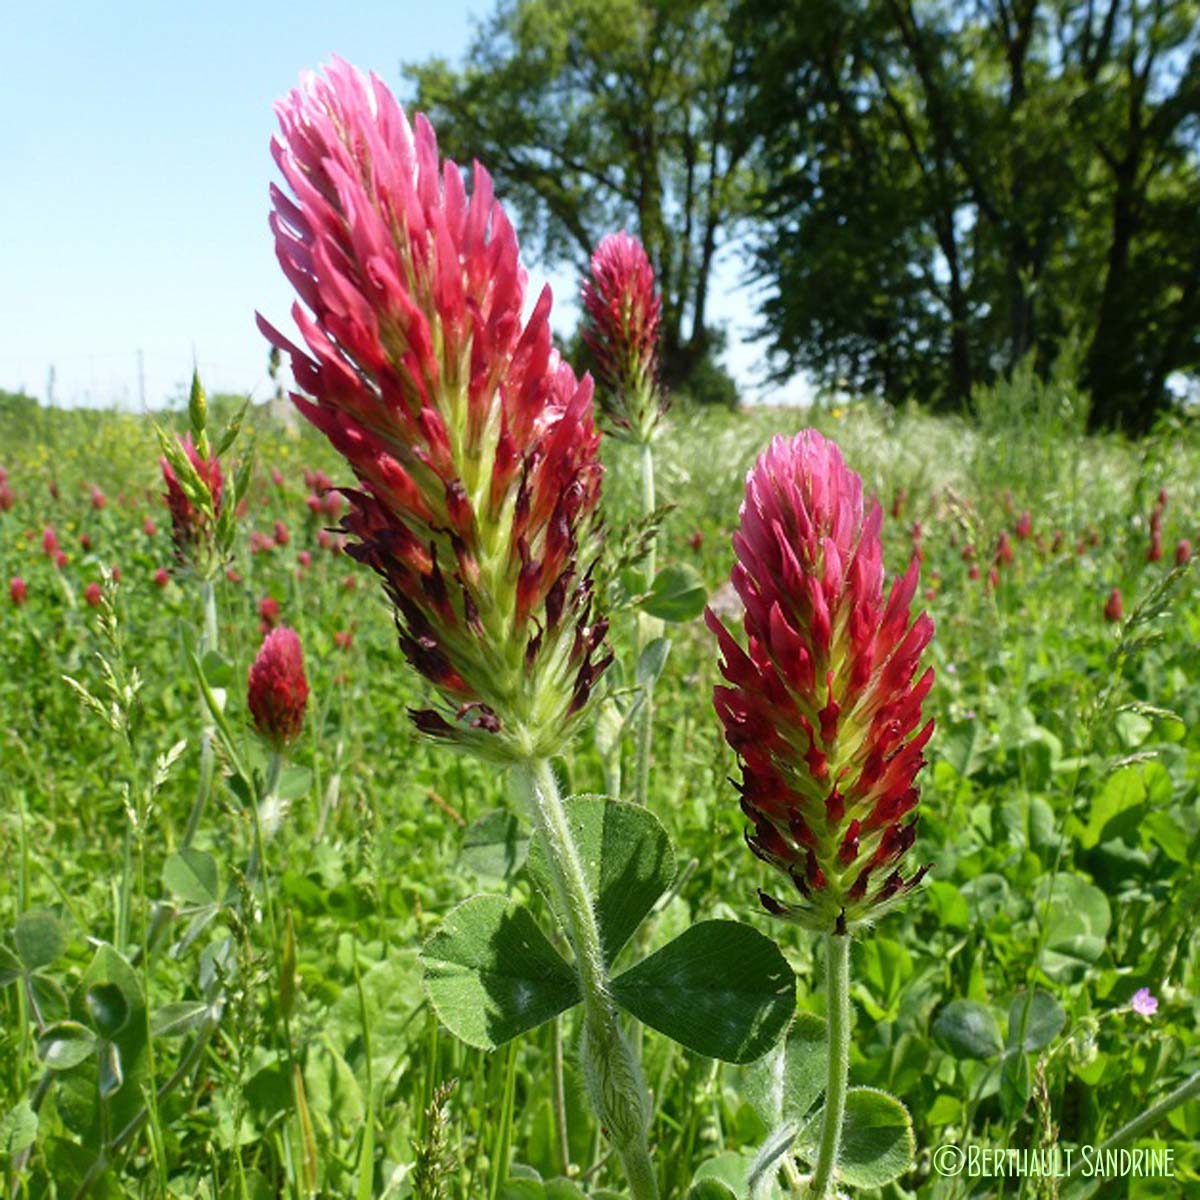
(93, 595)
(17, 590)
(622, 312)
(1114, 606)
(1183, 551)
(277, 690)
(162, 577)
(268, 612)
(192, 527)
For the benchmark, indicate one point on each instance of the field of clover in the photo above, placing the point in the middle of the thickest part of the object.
(473, 785)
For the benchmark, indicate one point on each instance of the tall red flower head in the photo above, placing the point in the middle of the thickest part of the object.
(194, 501)
(623, 311)
(277, 690)
(473, 443)
(823, 706)
(17, 590)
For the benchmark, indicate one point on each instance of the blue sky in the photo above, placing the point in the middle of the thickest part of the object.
(135, 160)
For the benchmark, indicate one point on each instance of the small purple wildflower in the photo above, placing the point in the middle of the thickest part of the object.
(1144, 1002)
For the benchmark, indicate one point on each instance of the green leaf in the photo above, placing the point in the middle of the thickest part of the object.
(968, 1030)
(652, 660)
(178, 1019)
(627, 861)
(787, 1082)
(1014, 1085)
(728, 1168)
(677, 594)
(494, 846)
(40, 939)
(564, 1189)
(1077, 920)
(50, 998)
(11, 968)
(66, 1045)
(1119, 807)
(334, 1097)
(491, 974)
(711, 1189)
(112, 1075)
(948, 904)
(218, 670)
(295, 782)
(721, 989)
(877, 1139)
(18, 1129)
(1044, 1023)
(193, 876)
(108, 1009)
(121, 1068)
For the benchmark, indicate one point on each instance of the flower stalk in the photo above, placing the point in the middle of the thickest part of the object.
(837, 999)
(615, 1086)
(623, 311)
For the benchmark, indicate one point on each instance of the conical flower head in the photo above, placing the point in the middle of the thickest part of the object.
(194, 490)
(823, 706)
(473, 443)
(622, 312)
(277, 689)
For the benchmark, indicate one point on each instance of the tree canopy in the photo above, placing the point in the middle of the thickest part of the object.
(594, 115)
(950, 186)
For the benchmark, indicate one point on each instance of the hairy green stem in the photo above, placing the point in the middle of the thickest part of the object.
(1144, 1121)
(645, 733)
(837, 992)
(561, 1130)
(208, 644)
(613, 1076)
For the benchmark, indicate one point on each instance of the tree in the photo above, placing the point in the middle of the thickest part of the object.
(593, 115)
(949, 186)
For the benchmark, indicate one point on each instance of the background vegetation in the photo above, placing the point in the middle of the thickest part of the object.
(1060, 811)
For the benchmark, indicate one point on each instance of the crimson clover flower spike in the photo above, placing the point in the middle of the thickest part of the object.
(623, 311)
(473, 444)
(277, 689)
(823, 706)
(194, 514)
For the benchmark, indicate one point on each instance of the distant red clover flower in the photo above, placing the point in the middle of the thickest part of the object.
(623, 310)
(277, 690)
(191, 524)
(17, 590)
(823, 707)
(473, 443)
(1114, 606)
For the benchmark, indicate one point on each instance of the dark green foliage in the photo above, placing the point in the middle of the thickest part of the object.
(949, 187)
